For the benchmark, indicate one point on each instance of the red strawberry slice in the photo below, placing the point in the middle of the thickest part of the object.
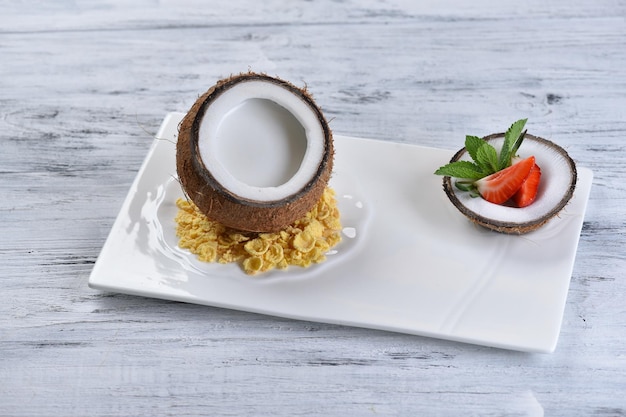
(499, 187)
(528, 191)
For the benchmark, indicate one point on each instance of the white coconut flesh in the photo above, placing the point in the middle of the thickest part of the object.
(558, 177)
(260, 141)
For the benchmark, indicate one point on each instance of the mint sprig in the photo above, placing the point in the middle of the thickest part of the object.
(512, 140)
(462, 169)
(485, 159)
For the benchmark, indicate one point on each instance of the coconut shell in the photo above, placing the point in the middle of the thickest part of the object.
(517, 228)
(221, 205)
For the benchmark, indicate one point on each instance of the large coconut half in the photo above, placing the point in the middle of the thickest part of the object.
(558, 181)
(254, 153)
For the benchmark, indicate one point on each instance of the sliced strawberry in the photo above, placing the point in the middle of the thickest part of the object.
(499, 187)
(528, 191)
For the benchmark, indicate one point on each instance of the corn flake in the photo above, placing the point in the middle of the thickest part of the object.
(303, 243)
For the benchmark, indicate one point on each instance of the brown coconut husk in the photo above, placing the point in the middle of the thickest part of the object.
(221, 205)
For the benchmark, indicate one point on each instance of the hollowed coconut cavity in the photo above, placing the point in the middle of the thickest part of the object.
(557, 184)
(254, 153)
(260, 144)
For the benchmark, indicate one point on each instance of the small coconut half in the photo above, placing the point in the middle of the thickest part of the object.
(254, 153)
(558, 181)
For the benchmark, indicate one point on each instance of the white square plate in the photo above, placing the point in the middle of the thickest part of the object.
(409, 261)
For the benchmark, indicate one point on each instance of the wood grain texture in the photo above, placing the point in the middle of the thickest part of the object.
(83, 88)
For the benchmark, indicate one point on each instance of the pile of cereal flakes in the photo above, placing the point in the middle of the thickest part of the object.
(303, 243)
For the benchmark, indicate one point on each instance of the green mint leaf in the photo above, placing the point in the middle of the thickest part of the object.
(487, 158)
(469, 186)
(511, 143)
(517, 144)
(461, 169)
(472, 143)
(465, 185)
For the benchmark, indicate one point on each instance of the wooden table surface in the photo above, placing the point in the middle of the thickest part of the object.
(84, 86)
